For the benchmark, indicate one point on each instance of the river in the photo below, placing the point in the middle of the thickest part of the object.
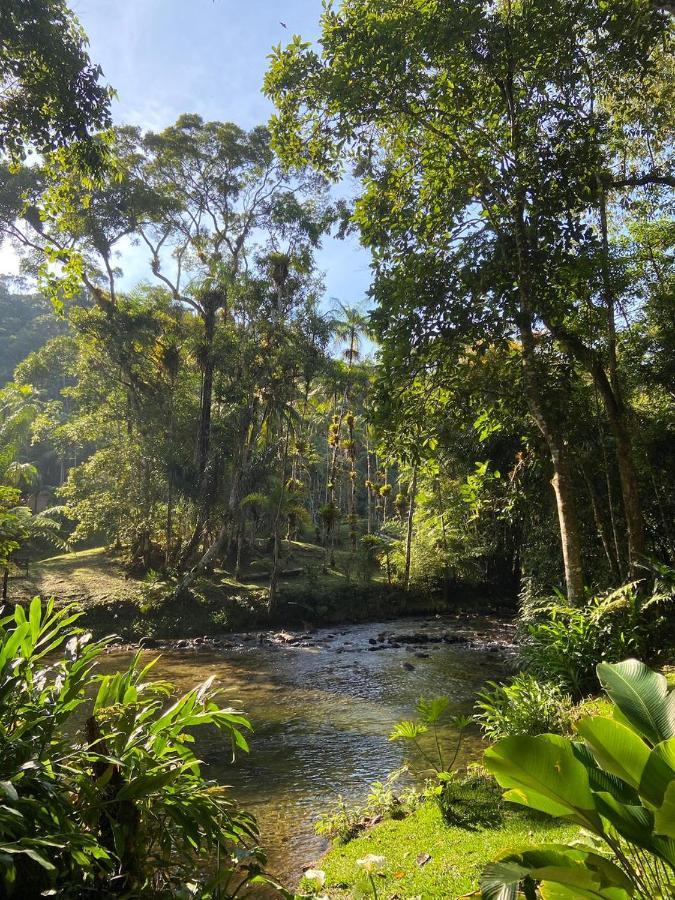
(322, 705)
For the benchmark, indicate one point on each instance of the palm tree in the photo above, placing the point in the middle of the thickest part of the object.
(349, 328)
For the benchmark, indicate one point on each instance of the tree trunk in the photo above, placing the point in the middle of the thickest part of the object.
(204, 434)
(169, 522)
(369, 514)
(547, 420)
(276, 551)
(563, 485)
(247, 440)
(612, 395)
(240, 548)
(408, 540)
(617, 419)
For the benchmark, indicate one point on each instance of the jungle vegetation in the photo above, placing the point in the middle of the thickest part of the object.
(496, 414)
(510, 423)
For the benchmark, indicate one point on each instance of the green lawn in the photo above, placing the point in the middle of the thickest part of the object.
(457, 855)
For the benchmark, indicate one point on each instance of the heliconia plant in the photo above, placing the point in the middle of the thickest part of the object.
(617, 782)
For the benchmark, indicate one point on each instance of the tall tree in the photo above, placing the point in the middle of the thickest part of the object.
(468, 124)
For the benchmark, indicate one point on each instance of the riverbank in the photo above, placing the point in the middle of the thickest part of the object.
(113, 602)
(426, 858)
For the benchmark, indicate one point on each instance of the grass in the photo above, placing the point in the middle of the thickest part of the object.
(457, 855)
(116, 602)
(90, 577)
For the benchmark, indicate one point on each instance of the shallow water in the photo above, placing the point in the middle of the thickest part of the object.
(322, 714)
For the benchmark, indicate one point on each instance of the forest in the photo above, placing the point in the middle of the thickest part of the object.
(211, 465)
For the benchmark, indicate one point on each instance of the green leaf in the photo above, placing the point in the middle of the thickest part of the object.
(616, 748)
(634, 823)
(550, 891)
(9, 790)
(432, 708)
(582, 872)
(642, 696)
(407, 731)
(600, 780)
(540, 802)
(664, 818)
(147, 784)
(544, 769)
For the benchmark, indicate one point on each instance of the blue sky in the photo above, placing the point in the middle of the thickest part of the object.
(166, 57)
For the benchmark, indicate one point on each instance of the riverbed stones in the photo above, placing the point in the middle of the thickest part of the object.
(148, 643)
(419, 637)
(455, 638)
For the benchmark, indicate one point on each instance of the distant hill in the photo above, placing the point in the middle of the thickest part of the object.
(27, 321)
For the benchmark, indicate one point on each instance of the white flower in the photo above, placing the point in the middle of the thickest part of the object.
(371, 862)
(318, 876)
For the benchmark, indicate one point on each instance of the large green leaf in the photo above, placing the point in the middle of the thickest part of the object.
(616, 748)
(548, 890)
(664, 817)
(547, 766)
(534, 800)
(586, 873)
(634, 823)
(146, 785)
(642, 696)
(666, 751)
(601, 780)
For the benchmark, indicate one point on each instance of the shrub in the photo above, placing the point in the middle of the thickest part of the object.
(113, 801)
(471, 801)
(565, 644)
(522, 706)
(344, 821)
(617, 783)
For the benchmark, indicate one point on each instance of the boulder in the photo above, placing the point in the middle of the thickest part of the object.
(148, 643)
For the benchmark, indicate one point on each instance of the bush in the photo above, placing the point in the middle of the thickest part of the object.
(564, 644)
(344, 821)
(112, 801)
(472, 801)
(617, 783)
(522, 706)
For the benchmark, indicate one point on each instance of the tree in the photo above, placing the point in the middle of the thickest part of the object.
(50, 92)
(469, 126)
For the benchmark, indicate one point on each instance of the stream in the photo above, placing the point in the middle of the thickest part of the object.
(322, 704)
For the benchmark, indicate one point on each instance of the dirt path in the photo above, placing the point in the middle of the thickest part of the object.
(90, 577)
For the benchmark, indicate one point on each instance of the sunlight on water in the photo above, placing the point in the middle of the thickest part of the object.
(321, 719)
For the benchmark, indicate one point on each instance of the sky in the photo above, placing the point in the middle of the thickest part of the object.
(167, 57)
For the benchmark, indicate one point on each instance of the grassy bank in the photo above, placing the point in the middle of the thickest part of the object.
(114, 602)
(456, 855)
